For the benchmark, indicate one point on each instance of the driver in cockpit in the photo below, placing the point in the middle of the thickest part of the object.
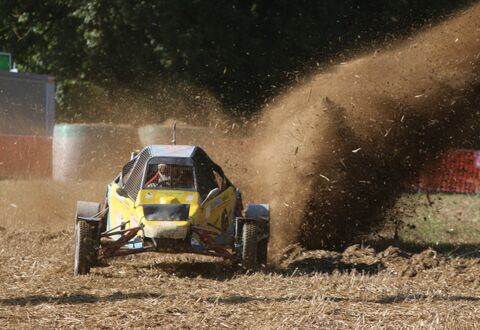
(162, 178)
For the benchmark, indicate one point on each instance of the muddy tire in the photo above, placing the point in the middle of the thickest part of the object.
(84, 248)
(89, 210)
(249, 246)
(262, 252)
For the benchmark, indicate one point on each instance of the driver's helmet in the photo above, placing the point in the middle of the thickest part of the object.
(163, 169)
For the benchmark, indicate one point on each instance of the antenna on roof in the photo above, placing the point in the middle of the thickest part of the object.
(174, 140)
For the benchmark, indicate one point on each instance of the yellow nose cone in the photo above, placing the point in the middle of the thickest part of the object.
(166, 229)
(169, 200)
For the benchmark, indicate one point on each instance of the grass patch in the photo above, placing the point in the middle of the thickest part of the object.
(448, 222)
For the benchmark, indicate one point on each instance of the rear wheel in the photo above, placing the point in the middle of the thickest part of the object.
(84, 248)
(249, 245)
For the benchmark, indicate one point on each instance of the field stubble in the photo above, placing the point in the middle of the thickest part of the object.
(379, 286)
(357, 288)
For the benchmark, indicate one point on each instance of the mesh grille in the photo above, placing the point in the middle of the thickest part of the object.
(126, 170)
(134, 180)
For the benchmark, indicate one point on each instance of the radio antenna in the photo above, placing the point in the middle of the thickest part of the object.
(174, 140)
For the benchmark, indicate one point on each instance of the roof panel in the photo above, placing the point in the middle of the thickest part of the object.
(182, 151)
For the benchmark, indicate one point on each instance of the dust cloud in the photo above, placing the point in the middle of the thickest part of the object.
(332, 152)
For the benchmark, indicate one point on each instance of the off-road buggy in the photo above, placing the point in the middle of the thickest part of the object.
(193, 209)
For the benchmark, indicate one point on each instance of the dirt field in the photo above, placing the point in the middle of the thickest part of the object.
(334, 177)
(378, 286)
(357, 288)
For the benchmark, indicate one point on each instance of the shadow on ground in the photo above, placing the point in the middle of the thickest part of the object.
(416, 297)
(73, 299)
(234, 299)
(223, 271)
(392, 299)
(329, 265)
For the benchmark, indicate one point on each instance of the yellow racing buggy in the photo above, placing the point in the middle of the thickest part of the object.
(174, 199)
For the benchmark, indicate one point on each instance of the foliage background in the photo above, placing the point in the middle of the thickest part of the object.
(239, 52)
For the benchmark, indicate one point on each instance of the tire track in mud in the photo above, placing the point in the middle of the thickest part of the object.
(332, 152)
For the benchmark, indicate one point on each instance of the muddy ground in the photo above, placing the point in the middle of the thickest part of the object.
(370, 285)
(360, 287)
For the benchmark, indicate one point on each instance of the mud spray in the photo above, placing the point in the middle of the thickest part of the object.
(332, 153)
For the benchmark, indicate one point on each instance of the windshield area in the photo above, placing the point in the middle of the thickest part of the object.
(169, 176)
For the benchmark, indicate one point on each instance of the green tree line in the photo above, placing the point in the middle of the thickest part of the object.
(242, 51)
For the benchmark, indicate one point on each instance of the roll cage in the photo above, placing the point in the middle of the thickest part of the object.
(207, 174)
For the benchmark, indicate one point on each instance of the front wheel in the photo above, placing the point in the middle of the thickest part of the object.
(249, 245)
(84, 248)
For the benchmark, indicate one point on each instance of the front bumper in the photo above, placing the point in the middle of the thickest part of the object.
(166, 229)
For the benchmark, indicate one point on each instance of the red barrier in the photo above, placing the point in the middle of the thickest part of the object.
(25, 156)
(456, 171)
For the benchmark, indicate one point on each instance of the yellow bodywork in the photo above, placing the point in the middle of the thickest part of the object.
(216, 214)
